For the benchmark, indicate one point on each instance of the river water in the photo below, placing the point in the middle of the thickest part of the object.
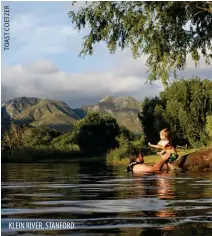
(99, 199)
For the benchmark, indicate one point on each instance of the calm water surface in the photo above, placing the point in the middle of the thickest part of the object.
(106, 200)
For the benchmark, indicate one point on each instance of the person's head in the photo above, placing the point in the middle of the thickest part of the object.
(138, 156)
(164, 134)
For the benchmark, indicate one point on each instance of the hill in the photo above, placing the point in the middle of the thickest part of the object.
(37, 112)
(13, 107)
(123, 109)
(59, 116)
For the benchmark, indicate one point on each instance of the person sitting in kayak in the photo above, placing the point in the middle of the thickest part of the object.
(165, 147)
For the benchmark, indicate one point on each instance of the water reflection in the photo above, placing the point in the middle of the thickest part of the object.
(105, 200)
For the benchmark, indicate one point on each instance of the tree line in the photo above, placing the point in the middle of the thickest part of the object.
(185, 107)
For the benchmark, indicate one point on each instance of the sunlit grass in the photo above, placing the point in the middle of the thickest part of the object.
(69, 153)
(116, 157)
(150, 159)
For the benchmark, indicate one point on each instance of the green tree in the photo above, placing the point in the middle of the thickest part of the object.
(62, 140)
(96, 134)
(184, 108)
(151, 119)
(39, 136)
(13, 138)
(187, 103)
(126, 134)
(208, 127)
(164, 31)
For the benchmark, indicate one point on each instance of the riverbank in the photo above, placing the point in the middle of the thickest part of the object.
(45, 154)
(189, 160)
(149, 159)
(195, 161)
(53, 155)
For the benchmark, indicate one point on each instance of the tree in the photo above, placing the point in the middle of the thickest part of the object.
(187, 103)
(184, 107)
(63, 140)
(151, 120)
(126, 134)
(39, 136)
(208, 127)
(13, 138)
(25, 136)
(164, 31)
(96, 134)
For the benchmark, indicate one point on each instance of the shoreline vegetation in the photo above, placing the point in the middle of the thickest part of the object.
(189, 159)
(72, 154)
(151, 158)
(99, 136)
(196, 159)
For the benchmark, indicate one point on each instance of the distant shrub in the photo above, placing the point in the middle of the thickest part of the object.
(13, 138)
(39, 136)
(62, 140)
(208, 127)
(18, 136)
(40, 153)
(117, 154)
(96, 134)
(126, 134)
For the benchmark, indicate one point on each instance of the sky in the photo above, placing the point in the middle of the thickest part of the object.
(43, 61)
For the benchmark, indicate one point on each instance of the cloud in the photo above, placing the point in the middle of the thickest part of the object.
(125, 77)
(41, 67)
(42, 35)
(43, 79)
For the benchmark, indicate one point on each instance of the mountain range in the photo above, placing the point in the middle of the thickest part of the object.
(59, 116)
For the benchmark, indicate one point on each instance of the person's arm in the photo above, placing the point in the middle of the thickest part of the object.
(155, 146)
(158, 166)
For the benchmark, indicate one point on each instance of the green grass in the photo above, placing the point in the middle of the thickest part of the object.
(150, 159)
(119, 157)
(66, 153)
(35, 154)
(69, 153)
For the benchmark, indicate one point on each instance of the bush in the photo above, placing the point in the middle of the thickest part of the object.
(126, 133)
(96, 134)
(208, 127)
(116, 155)
(40, 153)
(183, 107)
(18, 136)
(127, 149)
(13, 138)
(39, 136)
(62, 140)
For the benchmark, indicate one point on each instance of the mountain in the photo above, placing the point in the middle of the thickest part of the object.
(123, 109)
(12, 108)
(38, 112)
(15, 106)
(58, 115)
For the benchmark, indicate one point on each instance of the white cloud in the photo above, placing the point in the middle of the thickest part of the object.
(41, 66)
(42, 35)
(43, 79)
(125, 77)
